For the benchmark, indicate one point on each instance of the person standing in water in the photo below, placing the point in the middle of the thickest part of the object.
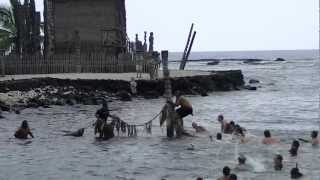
(268, 139)
(23, 131)
(102, 116)
(184, 106)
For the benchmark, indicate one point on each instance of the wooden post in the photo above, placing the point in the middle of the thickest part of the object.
(2, 52)
(184, 61)
(168, 95)
(186, 48)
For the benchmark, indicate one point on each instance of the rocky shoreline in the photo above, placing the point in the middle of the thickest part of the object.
(43, 92)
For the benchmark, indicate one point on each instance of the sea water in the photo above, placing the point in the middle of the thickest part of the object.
(286, 103)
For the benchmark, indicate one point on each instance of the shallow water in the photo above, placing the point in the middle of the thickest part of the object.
(287, 103)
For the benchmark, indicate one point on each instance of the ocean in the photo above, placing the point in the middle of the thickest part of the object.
(286, 103)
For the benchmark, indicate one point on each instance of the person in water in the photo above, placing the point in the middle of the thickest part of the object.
(219, 136)
(197, 127)
(233, 177)
(23, 131)
(314, 138)
(268, 139)
(102, 116)
(277, 160)
(223, 123)
(226, 173)
(229, 127)
(294, 148)
(242, 166)
(184, 106)
(295, 173)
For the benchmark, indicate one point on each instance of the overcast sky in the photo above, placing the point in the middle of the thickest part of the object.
(224, 25)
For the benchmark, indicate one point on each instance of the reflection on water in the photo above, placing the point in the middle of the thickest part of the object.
(287, 103)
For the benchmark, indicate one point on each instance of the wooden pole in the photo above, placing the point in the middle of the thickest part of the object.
(168, 95)
(189, 50)
(2, 64)
(186, 48)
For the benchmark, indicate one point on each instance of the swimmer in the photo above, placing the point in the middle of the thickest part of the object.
(219, 136)
(197, 127)
(229, 128)
(268, 139)
(23, 131)
(242, 166)
(295, 173)
(222, 122)
(233, 177)
(226, 173)
(277, 160)
(314, 140)
(294, 148)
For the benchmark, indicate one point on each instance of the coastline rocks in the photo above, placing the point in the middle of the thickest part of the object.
(253, 81)
(44, 92)
(280, 59)
(252, 61)
(124, 96)
(251, 88)
(213, 62)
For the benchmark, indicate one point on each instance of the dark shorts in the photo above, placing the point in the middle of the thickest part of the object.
(183, 112)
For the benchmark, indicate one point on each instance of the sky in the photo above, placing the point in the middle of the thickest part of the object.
(225, 25)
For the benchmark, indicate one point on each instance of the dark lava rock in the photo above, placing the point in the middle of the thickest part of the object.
(280, 59)
(151, 95)
(124, 96)
(251, 88)
(213, 62)
(253, 81)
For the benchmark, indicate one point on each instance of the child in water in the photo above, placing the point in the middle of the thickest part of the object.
(23, 131)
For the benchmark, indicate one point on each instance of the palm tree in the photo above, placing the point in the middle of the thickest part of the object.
(8, 28)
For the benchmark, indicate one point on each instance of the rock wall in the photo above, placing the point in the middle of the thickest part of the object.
(65, 91)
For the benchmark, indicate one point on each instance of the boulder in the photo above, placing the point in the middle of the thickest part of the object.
(253, 81)
(124, 96)
(251, 88)
(151, 95)
(280, 59)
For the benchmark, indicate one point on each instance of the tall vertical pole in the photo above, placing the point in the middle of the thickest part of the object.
(189, 50)
(188, 42)
(319, 63)
(168, 95)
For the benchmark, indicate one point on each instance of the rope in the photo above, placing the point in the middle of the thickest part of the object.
(143, 124)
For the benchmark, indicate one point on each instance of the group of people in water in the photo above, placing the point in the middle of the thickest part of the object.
(237, 131)
(105, 131)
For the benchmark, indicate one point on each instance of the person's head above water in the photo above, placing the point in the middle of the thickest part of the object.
(267, 134)
(294, 148)
(220, 118)
(278, 162)
(233, 177)
(295, 173)
(226, 171)
(314, 134)
(295, 144)
(219, 136)
(194, 125)
(242, 159)
(24, 124)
